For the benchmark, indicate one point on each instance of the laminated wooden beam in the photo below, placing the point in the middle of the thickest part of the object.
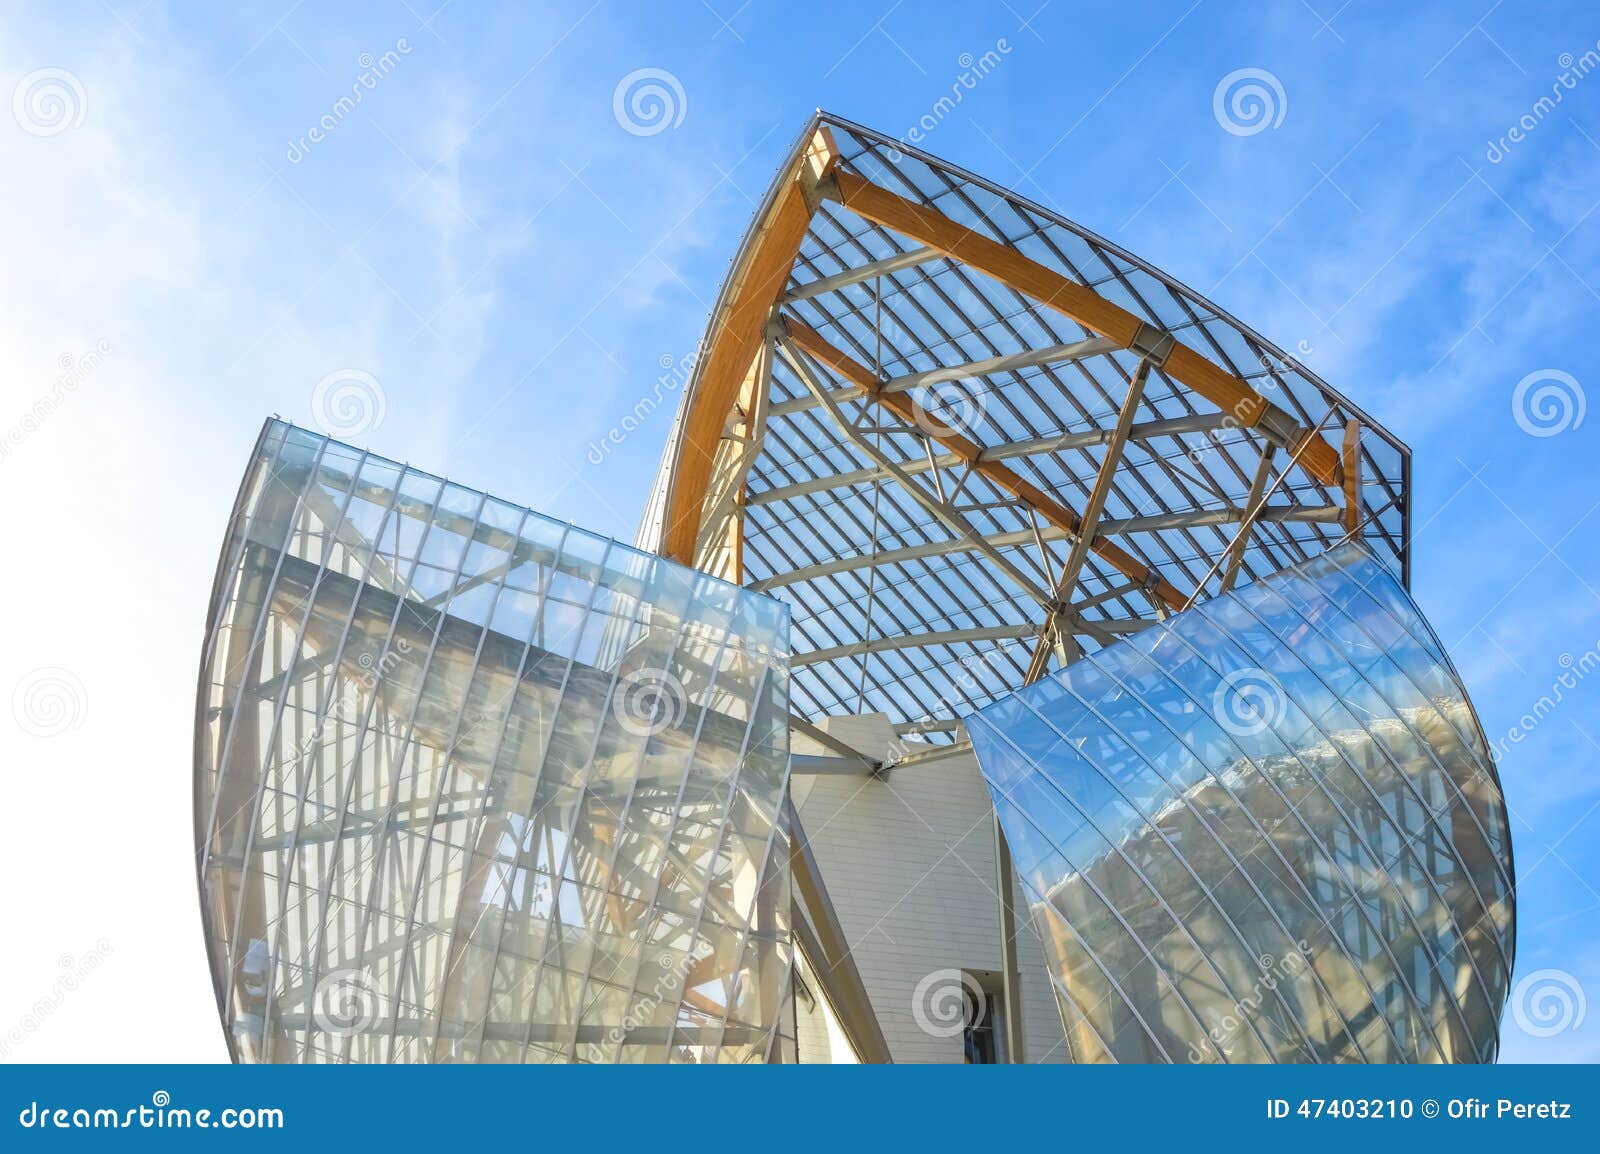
(971, 453)
(1088, 308)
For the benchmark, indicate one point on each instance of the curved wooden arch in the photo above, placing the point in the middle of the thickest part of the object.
(730, 353)
(735, 336)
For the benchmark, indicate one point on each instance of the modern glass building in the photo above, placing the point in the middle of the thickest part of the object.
(1281, 800)
(475, 785)
(1023, 500)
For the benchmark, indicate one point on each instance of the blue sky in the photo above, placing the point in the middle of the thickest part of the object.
(484, 238)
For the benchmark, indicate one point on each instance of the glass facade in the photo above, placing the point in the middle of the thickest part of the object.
(1265, 829)
(473, 785)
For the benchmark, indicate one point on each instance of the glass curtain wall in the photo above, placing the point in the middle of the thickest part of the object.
(1266, 829)
(474, 785)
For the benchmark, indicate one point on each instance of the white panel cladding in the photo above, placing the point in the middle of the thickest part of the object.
(909, 864)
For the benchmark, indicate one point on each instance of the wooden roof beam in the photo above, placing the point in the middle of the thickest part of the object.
(1088, 308)
(971, 453)
(735, 336)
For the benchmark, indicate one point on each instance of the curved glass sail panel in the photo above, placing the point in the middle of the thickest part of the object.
(1265, 829)
(473, 785)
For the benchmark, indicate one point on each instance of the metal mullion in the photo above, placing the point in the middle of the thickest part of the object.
(1241, 543)
(895, 466)
(306, 761)
(836, 638)
(1310, 898)
(267, 591)
(446, 776)
(558, 868)
(808, 689)
(1406, 841)
(849, 275)
(975, 331)
(535, 630)
(1020, 539)
(673, 824)
(733, 789)
(895, 506)
(1111, 907)
(954, 521)
(402, 957)
(709, 693)
(1089, 522)
(397, 749)
(820, 509)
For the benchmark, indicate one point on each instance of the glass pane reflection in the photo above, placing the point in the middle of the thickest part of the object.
(1266, 829)
(473, 785)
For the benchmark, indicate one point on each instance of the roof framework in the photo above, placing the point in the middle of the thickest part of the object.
(965, 437)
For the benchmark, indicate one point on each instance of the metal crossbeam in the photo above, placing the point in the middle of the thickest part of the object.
(865, 272)
(1145, 432)
(1058, 624)
(1258, 486)
(1010, 362)
(941, 510)
(1047, 505)
(1023, 537)
(1098, 629)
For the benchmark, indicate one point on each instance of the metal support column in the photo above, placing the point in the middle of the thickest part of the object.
(1011, 973)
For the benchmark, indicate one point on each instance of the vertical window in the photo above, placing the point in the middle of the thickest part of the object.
(982, 1043)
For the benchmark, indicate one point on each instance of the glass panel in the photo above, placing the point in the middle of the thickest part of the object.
(479, 786)
(1295, 774)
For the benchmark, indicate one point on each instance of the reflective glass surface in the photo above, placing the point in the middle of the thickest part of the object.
(1265, 829)
(473, 785)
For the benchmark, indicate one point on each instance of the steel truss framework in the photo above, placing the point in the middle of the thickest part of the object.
(964, 437)
(475, 785)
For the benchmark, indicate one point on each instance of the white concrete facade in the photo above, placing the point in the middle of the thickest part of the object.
(909, 862)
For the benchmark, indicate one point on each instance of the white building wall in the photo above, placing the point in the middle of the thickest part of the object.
(909, 863)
